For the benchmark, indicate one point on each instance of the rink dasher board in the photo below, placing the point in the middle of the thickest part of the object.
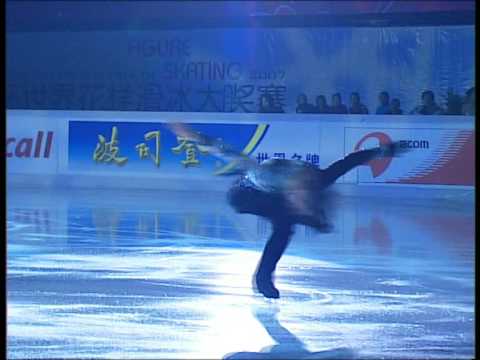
(437, 142)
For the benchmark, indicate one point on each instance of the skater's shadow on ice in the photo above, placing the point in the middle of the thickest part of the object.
(288, 345)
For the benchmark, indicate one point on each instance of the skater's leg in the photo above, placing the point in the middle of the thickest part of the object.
(274, 207)
(274, 249)
(248, 200)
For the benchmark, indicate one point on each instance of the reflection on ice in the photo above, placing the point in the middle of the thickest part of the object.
(287, 345)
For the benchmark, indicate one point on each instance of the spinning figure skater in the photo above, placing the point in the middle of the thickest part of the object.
(286, 192)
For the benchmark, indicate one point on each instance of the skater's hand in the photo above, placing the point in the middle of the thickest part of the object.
(393, 149)
(325, 228)
(183, 130)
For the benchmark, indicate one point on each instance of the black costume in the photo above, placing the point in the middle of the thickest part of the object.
(246, 197)
(261, 191)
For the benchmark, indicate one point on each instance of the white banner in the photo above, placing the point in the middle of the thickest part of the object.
(294, 140)
(31, 146)
(435, 156)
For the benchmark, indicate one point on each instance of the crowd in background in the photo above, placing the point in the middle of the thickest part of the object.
(454, 105)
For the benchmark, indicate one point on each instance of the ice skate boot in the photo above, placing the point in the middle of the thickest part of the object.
(264, 285)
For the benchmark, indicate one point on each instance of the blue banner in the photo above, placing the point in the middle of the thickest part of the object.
(150, 147)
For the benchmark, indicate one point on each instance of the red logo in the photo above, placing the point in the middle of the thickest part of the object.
(378, 166)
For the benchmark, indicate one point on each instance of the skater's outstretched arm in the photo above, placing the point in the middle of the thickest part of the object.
(349, 162)
(216, 147)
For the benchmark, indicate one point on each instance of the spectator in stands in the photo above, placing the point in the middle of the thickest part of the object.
(454, 103)
(468, 107)
(356, 107)
(321, 106)
(267, 105)
(395, 107)
(337, 106)
(384, 107)
(429, 106)
(303, 106)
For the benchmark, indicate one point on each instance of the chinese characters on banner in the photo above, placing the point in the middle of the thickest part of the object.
(312, 158)
(150, 96)
(144, 151)
(190, 150)
(109, 151)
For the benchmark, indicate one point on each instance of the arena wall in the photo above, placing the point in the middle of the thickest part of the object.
(110, 149)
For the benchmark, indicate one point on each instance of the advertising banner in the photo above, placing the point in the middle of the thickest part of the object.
(101, 144)
(31, 147)
(150, 147)
(436, 156)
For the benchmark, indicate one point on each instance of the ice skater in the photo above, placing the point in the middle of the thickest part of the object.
(286, 192)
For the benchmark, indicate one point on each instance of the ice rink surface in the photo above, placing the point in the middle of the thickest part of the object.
(131, 274)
